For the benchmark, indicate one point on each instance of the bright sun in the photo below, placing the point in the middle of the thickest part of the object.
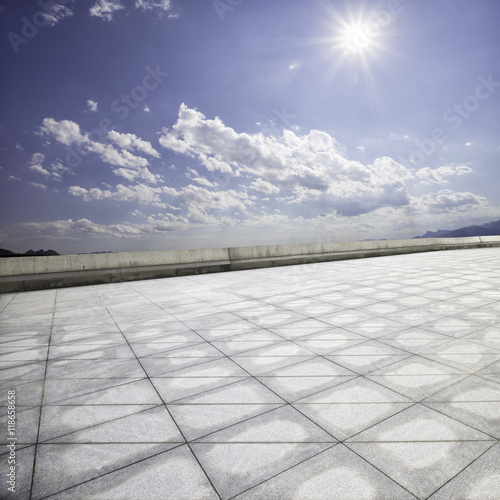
(354, 40)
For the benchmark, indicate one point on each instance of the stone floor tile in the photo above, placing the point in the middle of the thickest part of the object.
(334, 473)
(24, 471)
(58, 421)
(56, 470)
(154, 425)
(247, 391)
(358, 390)
(293, 388)
(28, 393)
(235, 467)
(26, 425)
(260, 365)
(173, 389)
(419, 423)
(281, 425)
(175, 475)
(479, 481)
(344, 420)
(421, 467)
(197, 420)
(139, 392)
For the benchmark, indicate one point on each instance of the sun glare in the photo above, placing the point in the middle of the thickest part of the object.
(355, 40)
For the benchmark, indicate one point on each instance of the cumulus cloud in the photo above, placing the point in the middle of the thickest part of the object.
(153, 4)
(38, 185)
(35, 164)
(55, 170)
(131, 141)
(130, 166)
(55, 12)
(264, 187)
(439, 175)
(446, 200)
(105, 9)
(66, 132)
(312, 167)
(92, 105)
(140, 193)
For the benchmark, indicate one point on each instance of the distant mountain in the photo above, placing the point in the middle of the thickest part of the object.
(488, 229)
(29, 253)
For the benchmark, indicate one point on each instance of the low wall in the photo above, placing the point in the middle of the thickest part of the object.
(36, 273)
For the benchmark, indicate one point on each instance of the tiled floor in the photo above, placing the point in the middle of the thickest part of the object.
(370, 379)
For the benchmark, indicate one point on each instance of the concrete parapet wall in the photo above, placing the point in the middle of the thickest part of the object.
(34, 273)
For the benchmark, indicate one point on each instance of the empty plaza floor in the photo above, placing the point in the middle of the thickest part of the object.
(370, 379)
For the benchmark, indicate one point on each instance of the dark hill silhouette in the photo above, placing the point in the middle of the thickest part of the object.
(29, 253)
(488, 229)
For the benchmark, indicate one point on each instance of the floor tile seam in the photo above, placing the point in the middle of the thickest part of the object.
(167, 409)
(403, 395)
(131, 381)
(353, 403)
(109, 472)
(460, 422)
(246, 419)
(257, 442)
(362, 377)
(486, 378)
(410, 404)
(156, 355)
(108, 363)
(419, 355)
(52, 442)
(447, 362)
(461, 471)
(8, 303)
(419, 441)
(33, 468)
(378, 469)
(107, 347)
(152, 384)
(142, 410)
(282, 472)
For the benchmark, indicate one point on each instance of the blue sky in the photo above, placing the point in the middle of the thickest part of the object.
(131, 125)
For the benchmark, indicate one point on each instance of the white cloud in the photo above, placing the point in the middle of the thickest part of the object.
(105, 9)
(312, 167)
(438, 175)
(153, 4)
(446, 200)
(35, 164)
(264, 187)
(140, 193)
(92, 105)
(131, 141)
(37, 185)
(55, 12)
(194, 176)
(131, 166)
(66, 132)
(13, 178)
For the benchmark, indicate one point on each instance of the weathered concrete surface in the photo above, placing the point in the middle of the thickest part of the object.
(35, 273)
